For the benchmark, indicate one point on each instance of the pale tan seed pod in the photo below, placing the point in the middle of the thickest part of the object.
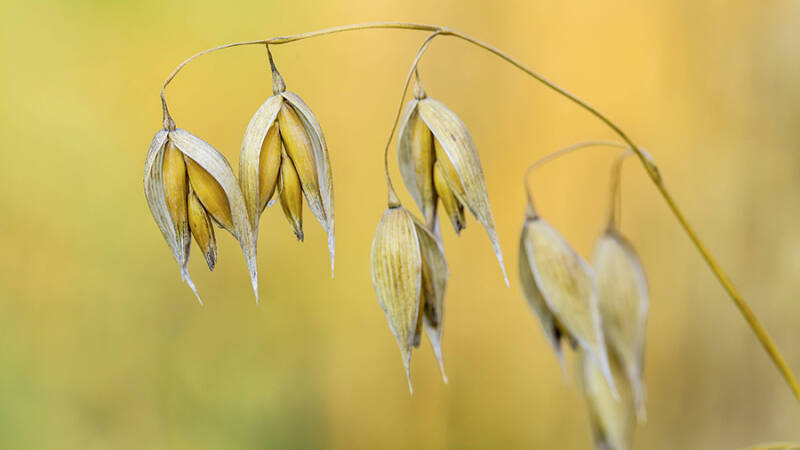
(253, 162)
(409, 272)
(302, 137)
(176, 188)
(291, 196)
(432, 288)
(623, 301)
(210, 169)
(566, 283)
(211, 194)
(202, 230)
(453, 208)
(612, 413)
(535, 298)
(459, 158)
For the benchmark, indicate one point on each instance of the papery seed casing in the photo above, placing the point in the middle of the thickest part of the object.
(202, 230)
(422, 154)
(623, 302)
(434, 273)
(453, 208)
(211, 194)
(269, 165)
(566, 282)
(396, 274)
(456, 151)
(536, 299)
(291, 196)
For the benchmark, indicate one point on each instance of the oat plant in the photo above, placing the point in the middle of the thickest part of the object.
(600, 310)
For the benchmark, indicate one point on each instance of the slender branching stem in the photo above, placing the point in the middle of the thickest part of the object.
(648, 163)
(393, 200)
(615, 202)
(558, 154)
(744, 308)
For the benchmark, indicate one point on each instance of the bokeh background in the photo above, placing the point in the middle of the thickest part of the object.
(102, 346)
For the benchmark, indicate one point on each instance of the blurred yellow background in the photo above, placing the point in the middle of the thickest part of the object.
(104, 347)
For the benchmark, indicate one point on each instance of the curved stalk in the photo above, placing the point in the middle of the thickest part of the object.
(648, 163)
(557, 154)
(744, 308)
(615, 203)
(393, 200)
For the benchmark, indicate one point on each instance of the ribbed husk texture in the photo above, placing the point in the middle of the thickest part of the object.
(623, 303)
(409, 272)
(433, 141)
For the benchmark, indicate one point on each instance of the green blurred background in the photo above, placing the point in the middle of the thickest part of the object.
(104, 347)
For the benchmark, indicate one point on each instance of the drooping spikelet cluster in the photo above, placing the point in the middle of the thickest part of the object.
(284, 151)
(189, 185)
(602, 313)
(439, 162)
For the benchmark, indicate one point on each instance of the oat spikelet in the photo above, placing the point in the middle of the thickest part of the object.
(409, 272)
(623, 302)
(285, 120)
(536, 301)
(460, 175)
(566, 284)
(156, 200)
(217, 190)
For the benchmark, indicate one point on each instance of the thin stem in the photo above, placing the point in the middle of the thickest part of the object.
(740, 302)
(285, 40)
(393, 200)
(647, 161)
(559, 153)
(615, 203)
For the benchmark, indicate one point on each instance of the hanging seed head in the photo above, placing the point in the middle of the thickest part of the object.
(285, 121)
(291, 196)
(564, 281)
(461, 183)
(611, 413)
(552, 329)
(203, 232)
(409, 272)
(623, 302)
(179, 162)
